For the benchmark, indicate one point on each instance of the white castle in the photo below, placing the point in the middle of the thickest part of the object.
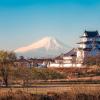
(89, 45)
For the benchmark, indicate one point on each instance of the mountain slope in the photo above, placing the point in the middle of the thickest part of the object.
(45, 47)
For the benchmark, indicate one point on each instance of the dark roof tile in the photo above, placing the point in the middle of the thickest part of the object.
(91, 33)
(71, 53)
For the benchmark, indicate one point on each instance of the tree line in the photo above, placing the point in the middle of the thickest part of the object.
(92, 60)
(9, 72)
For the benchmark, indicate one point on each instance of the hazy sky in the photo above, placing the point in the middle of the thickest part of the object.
(25, 21)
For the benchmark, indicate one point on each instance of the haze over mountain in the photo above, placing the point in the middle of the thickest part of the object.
(46, 47)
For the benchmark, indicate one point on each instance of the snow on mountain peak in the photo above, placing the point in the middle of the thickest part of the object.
(52, 43)
(47, 43)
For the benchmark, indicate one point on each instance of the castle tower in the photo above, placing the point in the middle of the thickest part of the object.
(89, 45)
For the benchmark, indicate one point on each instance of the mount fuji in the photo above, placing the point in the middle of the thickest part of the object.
(46, 47)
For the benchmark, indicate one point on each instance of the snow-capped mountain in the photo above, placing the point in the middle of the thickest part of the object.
(46, 47)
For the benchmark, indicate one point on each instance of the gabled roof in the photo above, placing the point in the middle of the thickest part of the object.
(59, 58)
(91, 33)
(71, 53)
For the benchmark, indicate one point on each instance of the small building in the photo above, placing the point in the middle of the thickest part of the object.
(66, 60)
(39, 62)
(70, 57)
(22, 62)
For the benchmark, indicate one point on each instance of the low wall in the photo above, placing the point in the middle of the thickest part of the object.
(64, 65)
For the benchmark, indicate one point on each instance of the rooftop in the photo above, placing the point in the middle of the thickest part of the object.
(71, 53)
(91, 34)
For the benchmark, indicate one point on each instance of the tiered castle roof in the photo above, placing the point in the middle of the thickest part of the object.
(92, 39)
(91, 34)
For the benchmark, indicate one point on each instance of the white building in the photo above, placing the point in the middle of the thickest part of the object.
(66, 60)
(89, 45)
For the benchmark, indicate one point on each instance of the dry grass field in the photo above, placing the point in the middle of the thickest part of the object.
(78, 84)
(57, 92)
(43, 89)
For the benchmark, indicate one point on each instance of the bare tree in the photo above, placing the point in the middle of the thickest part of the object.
(6, 60)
